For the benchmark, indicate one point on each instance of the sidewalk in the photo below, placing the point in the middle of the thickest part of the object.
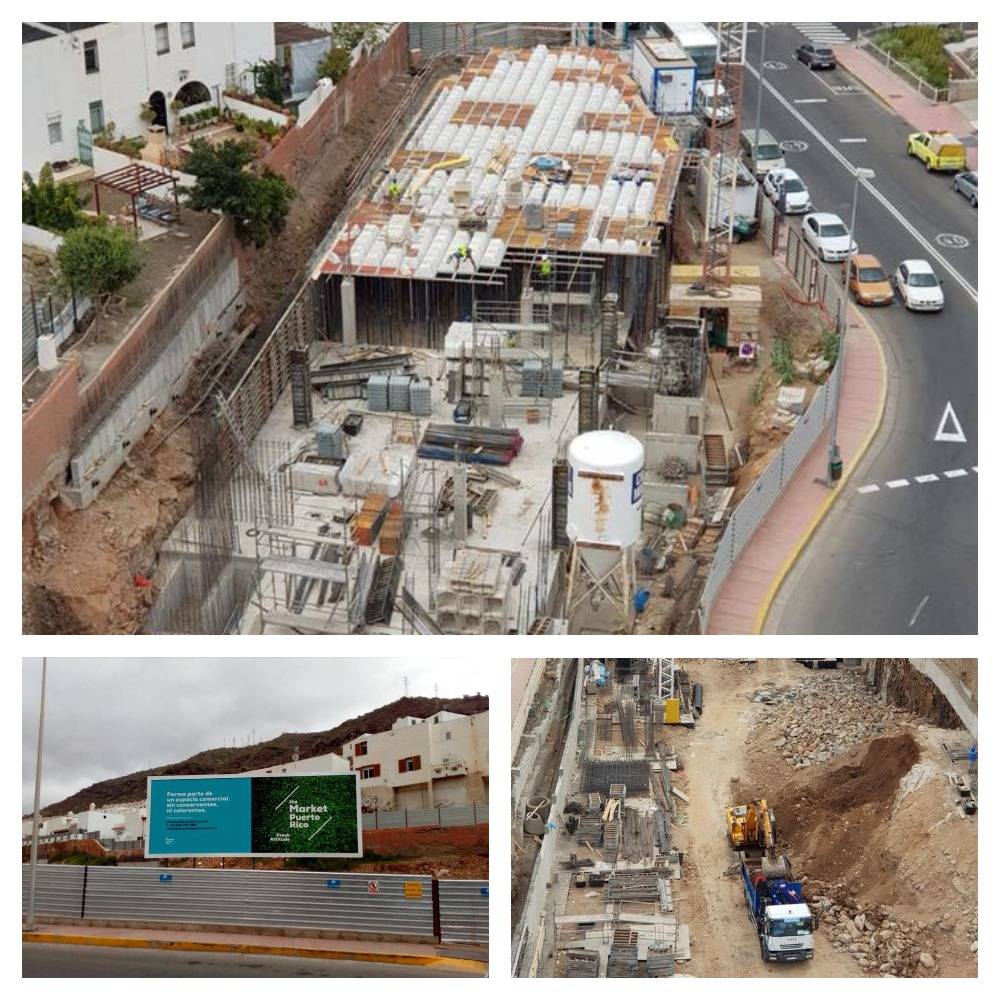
(915, 109)
(462, 958)
(745, 598)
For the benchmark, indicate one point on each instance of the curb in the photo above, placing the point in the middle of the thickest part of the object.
(765, 608)
(454, 964)
(876, 94)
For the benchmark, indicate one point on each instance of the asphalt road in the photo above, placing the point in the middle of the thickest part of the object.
(84, 961)
(902, 559)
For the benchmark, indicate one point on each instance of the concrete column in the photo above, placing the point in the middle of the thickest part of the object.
(348, 313)
(527, 304)
(496, 398)
(459, 502)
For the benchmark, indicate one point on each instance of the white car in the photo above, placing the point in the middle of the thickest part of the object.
(828, 236)
(785, 180)
(918, 286)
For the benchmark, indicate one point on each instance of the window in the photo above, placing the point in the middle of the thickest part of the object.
(360, 749)
(187, 34)
(162, 38)
(55, 129)
(447, 734)
(90, 61)
(409, 764)
(96, 116)
(372, 771)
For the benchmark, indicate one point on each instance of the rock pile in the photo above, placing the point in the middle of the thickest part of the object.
(823, 716)
(878, 941)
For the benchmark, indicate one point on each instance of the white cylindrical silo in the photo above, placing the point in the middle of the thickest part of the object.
(605, 494)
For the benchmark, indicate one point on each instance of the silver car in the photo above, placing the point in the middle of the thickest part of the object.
(967, 185)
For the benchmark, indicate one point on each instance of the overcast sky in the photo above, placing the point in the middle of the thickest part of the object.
(108, 717)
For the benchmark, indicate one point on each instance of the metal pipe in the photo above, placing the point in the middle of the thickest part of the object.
(35, 817)
(760, 94)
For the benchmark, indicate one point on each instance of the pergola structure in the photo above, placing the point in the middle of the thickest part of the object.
(133, 181)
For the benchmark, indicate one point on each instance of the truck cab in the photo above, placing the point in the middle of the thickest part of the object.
(787, 933)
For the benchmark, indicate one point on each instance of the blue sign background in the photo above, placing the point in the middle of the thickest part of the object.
(206, 816)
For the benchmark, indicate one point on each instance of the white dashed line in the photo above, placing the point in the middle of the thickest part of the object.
(852, 140)
(927, 477)
(811, 100)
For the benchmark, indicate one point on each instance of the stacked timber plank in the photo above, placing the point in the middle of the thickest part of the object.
(390, 537)
(369, 519)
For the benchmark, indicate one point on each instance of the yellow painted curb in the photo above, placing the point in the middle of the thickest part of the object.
(824, 507)
(438, 961)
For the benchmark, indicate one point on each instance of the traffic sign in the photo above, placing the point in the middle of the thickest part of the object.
(373, 888)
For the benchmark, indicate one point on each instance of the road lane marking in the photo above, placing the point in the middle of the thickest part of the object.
(924, 478)
(852, 140)
(820, 31)
(812, 100)
(954, 434)
(963, 283)
(953, 241)
(920, 607)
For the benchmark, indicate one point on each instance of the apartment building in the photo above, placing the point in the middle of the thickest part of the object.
(77, 77)
(420, 763)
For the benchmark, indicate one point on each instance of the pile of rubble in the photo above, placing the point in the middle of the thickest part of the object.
(823, 716)
(878, 941)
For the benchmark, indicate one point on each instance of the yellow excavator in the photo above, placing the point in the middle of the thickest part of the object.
(753, 832)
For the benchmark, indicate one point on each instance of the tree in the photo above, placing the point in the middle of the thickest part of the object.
(257, 201)
(98, 261)
(334, 64)
(269, 81)
(48, 205)
(347, 34)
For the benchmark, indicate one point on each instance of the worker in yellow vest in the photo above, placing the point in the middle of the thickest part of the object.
(395, 191)
(545, 269)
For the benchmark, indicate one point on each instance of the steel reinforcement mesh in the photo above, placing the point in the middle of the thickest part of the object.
(599, 775)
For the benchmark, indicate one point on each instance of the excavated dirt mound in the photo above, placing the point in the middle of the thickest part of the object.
(835, 813)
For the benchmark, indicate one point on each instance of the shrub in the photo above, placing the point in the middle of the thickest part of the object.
(48, 205)
(920, 48)
(782, 361)
(258, 203)
(334, 64)
(831, 346)
(98, 261)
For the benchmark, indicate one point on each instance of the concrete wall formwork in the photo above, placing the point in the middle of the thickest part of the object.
(212, 312)
(529, 935)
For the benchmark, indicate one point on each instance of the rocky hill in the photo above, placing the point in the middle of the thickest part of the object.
(230, 760)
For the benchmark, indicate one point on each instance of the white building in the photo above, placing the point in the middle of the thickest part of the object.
(95, 73)
(419, 763)
(102, 824)
(327, 763)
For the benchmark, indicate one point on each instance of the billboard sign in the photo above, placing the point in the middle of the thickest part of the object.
(291, 816)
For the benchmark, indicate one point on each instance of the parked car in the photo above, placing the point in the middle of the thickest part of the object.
(967, 185)
(784, 180)
(816, 56)
(828, 236)
(918, 286)
(936, 150)
(868, 282)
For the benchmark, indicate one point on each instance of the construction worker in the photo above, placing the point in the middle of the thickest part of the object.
(461, 254)
(395, 191)
(545, 269)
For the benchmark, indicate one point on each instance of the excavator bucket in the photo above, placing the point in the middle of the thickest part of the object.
(777, 867)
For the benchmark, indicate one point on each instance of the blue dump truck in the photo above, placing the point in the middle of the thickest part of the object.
(779, 911)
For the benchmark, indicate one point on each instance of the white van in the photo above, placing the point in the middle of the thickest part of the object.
(769, 155)
(713, 103)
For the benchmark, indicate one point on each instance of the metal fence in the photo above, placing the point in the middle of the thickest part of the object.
(958, 89)
(464, 910)
(46, 316)
(755, 506)
(441, 816)
(352, 902)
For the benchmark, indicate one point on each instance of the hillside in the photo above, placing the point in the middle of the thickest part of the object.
(229, 760)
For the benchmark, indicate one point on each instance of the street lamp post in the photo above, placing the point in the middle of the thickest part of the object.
(760, 94)
(835, 465)
(35, 818)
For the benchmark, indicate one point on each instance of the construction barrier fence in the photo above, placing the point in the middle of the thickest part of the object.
(355, 902)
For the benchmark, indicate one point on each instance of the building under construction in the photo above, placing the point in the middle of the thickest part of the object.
(400, 456)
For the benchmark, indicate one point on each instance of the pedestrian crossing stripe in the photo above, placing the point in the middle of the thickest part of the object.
(821, 31)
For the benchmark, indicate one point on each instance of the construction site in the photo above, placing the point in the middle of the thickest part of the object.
(511, 396)
(733, 818)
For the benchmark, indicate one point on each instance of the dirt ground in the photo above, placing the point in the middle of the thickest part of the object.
(875, 826)
(79, 567)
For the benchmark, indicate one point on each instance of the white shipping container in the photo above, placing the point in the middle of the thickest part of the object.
(311, 477)
(666, 75)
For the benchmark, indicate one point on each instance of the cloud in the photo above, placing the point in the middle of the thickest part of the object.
(108, 717)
